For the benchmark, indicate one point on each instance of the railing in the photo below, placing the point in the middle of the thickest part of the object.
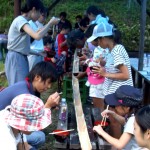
(141, 79)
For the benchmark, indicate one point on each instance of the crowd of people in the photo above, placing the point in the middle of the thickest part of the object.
(38, 57)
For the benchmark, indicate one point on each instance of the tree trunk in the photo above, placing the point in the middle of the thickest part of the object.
(17, 8)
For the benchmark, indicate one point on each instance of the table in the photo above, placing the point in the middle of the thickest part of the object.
(141, 79)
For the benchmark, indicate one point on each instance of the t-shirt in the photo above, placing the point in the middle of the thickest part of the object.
(7, 139)
(7, 95)
(118, 56)
(18, 40)
(129, 128)
(61, 38)
(36, 45)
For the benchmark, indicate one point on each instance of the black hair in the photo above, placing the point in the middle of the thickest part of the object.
(79, 16)
(64, 14)
(84, 22)
(72, 38)
(142, 118)
(65, 26)
(95, 11)
(116, 37)
(29, 4)
(89, 30)
(47, 39)
(45, 70)
(45, 11)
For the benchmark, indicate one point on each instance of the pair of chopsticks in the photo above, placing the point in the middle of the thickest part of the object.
(61, 131)
(104, 118)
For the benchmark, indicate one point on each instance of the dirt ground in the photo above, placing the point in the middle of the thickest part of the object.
(50, 138)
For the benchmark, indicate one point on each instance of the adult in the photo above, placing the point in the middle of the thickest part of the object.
(40, 78)
(126, 101)
(16, 64)
(118, 68)
(37, 46)
(25, 114)
(142, 127)
(96, 15)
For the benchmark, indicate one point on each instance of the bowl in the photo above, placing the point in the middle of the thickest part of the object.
(104, 126)
(61, 137)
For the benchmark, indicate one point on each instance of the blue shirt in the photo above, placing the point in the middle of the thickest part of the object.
(9, 93)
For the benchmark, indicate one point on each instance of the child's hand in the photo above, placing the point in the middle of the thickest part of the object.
(107, 112)
(64, 53)
(98, 129)
(102, 62)
(99, 70)
(83, 57)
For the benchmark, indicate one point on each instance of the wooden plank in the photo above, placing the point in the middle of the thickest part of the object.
(88, 120)
(102, 144)
(81, 125)
(74, 138)
(62, 125)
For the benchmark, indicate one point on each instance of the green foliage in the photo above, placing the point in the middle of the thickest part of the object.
(124, 13)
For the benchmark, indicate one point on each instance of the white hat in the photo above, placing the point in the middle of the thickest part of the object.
(101, 30)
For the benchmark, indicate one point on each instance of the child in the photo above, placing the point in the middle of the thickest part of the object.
(118, 68)
(95, 81)
(40, 78)
(62, 43)
(48, 45)
(96, 15)
(142, 127)
(25, 114)
(126, 100)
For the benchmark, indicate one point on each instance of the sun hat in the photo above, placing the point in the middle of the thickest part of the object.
(125, 95)
(101, 30)
(27, 113)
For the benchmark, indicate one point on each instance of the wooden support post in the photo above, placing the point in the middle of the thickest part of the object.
(142, 32)
(17, 8)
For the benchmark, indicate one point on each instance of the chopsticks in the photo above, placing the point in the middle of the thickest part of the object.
(61, 131)
(104, 118)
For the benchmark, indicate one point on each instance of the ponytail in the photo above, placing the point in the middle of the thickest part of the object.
(116, 36)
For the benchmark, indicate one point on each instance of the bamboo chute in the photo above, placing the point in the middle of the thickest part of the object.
(81, 124)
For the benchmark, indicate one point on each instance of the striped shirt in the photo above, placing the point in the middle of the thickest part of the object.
(119, 56)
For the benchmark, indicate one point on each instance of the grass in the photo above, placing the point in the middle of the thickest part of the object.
(3, 80)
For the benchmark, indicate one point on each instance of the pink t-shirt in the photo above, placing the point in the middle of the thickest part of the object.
(94, 78)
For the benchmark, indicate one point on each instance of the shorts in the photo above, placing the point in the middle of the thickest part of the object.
(96, 91)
